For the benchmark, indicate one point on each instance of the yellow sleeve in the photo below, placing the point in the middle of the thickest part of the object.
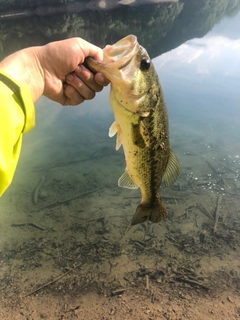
(17, 116)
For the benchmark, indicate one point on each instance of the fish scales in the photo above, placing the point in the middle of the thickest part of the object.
(153, 160)
(141, 124)
(153, 155)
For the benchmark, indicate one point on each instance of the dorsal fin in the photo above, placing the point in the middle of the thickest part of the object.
(172, 170)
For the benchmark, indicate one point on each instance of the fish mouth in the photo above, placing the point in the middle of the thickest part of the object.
(117, 59)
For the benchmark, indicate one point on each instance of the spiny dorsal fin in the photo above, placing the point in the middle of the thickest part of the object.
(126, 182)
(172, 170)
(112, 131)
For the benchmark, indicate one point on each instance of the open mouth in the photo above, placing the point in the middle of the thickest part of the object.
(116, 56)
(122, 51)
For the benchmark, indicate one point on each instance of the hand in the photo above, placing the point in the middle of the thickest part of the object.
(67, 80)
(57, 71)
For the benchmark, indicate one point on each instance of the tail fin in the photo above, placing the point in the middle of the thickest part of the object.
(154, 213)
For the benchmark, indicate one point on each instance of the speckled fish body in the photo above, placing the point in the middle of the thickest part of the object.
(141, 124)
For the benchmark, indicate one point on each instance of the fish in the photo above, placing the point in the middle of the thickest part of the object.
(140, 126)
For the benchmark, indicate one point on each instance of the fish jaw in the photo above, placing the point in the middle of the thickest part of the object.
(130, 85)
(116, 58)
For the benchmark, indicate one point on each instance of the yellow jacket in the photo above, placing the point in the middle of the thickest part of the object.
(17, 116)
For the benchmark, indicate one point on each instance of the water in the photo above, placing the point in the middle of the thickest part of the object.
(66, 248)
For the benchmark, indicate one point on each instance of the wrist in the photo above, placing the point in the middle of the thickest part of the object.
(25, 68)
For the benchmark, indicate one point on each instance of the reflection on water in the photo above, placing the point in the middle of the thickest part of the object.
(159, 27)
(65, 222)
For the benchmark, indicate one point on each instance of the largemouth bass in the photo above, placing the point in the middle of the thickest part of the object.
(141, 124)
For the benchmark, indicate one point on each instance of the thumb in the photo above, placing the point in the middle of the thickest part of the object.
(90, 50)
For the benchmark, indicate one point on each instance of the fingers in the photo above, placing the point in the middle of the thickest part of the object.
(88, 77)
(79, 88)
(72, 96)
(83, 85)
(101, 79)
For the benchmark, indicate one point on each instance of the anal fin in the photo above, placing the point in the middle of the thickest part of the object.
(126, 182)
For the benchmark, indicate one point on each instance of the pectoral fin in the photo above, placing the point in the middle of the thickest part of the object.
(126, 182)
(113, 130)
(172, 170)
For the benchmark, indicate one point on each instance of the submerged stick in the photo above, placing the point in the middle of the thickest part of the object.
(193, 282)
(125, 233)
(212, 166)
(147, 281)
(32, 224)
(118, 292)
(214, 169)
(219, 201)
(52, 281)
(36, 190)
(58, 203)
(201, 207)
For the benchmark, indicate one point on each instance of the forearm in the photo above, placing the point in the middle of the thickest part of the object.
(31, 73)
(24, 67)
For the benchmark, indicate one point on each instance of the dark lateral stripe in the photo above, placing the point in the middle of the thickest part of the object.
(152, 156)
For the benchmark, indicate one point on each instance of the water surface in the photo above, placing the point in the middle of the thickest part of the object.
(81, 218)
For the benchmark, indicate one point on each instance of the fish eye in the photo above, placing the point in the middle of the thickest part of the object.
(145, 64)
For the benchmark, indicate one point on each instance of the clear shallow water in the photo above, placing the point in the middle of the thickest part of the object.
(79, 204)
